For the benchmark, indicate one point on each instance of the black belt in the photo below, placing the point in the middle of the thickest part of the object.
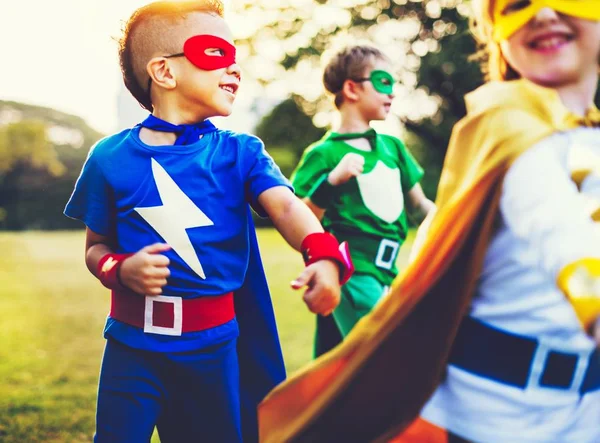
(509, 358)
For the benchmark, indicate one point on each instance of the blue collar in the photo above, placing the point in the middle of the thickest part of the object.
(186, 134)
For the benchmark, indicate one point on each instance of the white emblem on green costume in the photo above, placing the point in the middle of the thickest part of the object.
(381, 192)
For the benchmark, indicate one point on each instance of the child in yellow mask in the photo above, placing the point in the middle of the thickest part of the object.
(525, 365)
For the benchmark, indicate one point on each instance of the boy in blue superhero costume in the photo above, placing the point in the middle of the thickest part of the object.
(192, 345)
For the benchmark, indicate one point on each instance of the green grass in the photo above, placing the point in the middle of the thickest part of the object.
(52, 316)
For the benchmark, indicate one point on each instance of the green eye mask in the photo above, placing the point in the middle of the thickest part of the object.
(382, 81)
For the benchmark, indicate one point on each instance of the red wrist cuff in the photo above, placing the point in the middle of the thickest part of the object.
(323, 245)
(108, 270)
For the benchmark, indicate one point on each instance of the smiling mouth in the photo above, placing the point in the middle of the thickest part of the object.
(229, 88)
(553, 41)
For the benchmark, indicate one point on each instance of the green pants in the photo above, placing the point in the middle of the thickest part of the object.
(359, 295)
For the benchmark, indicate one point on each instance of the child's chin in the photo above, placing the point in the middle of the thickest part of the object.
(223, 112)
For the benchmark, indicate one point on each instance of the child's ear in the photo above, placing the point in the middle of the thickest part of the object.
(350, 90)
(161, 72)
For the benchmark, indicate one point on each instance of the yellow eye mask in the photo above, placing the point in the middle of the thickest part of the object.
(511, 15)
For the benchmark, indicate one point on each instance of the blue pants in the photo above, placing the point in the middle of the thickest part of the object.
(189, 396)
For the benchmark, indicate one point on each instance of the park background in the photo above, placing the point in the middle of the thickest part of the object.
(60, 91)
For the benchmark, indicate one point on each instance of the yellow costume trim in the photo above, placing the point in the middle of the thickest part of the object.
(376, 381)
(512, 15)
(580, 281)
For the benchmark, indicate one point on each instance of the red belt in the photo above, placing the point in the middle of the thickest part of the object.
(168, 315)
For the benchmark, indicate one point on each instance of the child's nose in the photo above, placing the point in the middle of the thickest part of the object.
(235, 69)
(546, 15)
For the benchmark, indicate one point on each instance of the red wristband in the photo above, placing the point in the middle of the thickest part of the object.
(323, 245)
(108, 270)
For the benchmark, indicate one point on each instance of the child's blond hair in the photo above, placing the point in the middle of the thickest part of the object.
(148, 31)
(494, 65)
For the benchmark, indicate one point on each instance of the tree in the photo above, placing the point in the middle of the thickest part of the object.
(41, 153)
(26, 142)
(23, 145)
(429, 39)
(286, 132)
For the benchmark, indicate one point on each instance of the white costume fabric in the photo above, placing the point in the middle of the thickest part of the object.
(545, 223)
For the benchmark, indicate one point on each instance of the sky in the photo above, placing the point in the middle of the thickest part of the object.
(63, 54)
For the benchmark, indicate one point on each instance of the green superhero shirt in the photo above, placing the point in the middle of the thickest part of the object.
(368, 210)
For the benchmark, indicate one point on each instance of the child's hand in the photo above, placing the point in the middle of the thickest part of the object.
(351, 165)
(323, 293)
(147, 270)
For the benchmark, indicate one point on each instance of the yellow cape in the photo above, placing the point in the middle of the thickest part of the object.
(375, 383)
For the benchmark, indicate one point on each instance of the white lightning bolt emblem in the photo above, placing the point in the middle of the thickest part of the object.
(176, 214)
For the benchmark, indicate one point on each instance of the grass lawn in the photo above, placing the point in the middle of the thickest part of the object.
(52, 315)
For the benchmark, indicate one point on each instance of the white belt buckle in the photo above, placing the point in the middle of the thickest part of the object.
(177, 317)
(539, 365)
(383, 246)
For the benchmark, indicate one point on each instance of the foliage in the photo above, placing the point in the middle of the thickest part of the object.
(26, 142)
(41, 153)
(286, 132)
(429, 39)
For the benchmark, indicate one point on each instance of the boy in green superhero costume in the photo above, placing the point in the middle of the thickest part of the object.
(359, 183)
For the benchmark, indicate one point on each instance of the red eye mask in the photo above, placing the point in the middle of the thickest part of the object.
(195, 48)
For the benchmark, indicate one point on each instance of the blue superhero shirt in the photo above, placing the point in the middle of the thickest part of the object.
(193, 197)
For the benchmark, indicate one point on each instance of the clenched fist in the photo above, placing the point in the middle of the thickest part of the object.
(350, 166)
(322, 280)
(147, 270)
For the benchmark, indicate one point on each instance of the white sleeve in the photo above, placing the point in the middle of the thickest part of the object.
(542, 206)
